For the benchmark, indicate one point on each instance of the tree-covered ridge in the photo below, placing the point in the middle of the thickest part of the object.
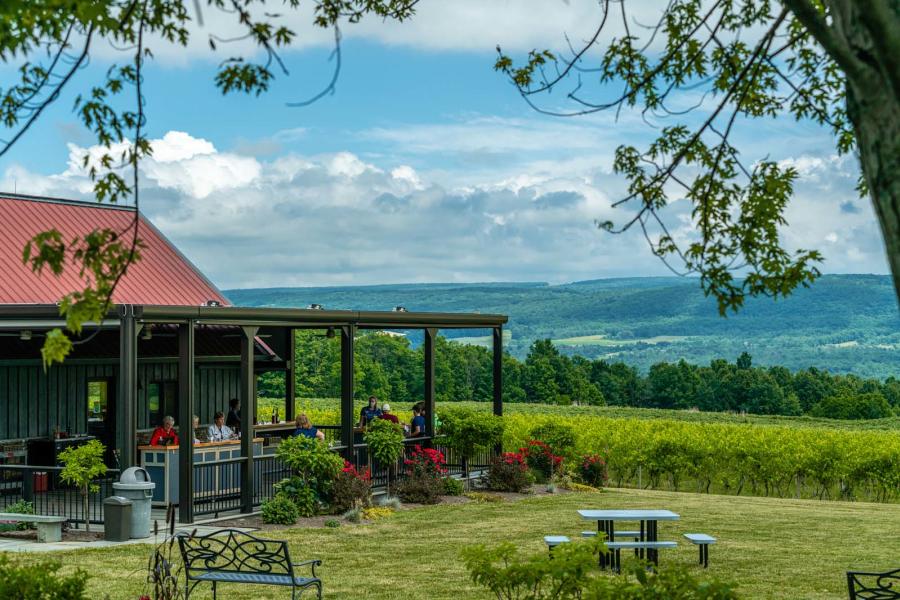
(388, 366)
(845, 323)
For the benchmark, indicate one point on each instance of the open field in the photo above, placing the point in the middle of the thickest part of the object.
(327, 405)
(796, 549)
(709, 452)
(482, 340)
(603, 340)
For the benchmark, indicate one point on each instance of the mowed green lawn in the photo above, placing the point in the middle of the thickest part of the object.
(773, 548)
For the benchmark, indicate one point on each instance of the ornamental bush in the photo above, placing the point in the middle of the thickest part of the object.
(572, 574)
(426, 462)
(420, 489)
(352, 488)
(558, 436)
(592, 470)
(541, 459)
(423, 481)
(385, 441)
(315, 469)
(22, 507)
(453, 486)
(304, 497)
(40, 580)
(509, 473)
(279, 510)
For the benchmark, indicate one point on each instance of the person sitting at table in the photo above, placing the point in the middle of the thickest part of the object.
(195, 424)
(219, 431)
(417, 426)
(369, 412)
(233, 419)
(165, 435)
(305, 428)
(386, 414)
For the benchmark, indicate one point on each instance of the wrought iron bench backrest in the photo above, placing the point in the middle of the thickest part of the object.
(886, 586)
(230, 550)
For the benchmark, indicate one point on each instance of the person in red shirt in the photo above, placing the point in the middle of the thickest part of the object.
(165, 434)
(386, 414)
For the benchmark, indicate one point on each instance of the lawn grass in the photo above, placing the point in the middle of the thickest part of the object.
(773, 548)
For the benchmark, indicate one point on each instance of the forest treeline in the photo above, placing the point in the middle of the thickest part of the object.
(387, 366)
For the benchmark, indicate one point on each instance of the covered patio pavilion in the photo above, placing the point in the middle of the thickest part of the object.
(247, 340)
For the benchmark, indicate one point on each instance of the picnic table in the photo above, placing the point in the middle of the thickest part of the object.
(648, 526)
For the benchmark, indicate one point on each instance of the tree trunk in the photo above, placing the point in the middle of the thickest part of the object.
(873, 106)
(85, 506)
(876, 117)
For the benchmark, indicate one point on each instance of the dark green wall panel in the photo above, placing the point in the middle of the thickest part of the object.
(33, 402)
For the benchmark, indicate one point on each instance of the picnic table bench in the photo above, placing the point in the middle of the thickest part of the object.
(232, 556)
(703, 541)
(49, 528)
(654, 546)
(647, 532)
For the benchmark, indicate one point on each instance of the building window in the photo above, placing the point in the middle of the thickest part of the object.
(98, 400)
(162, 400)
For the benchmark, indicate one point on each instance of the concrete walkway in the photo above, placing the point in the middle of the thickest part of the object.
(16, 545)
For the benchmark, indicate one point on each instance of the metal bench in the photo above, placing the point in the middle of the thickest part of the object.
(651, 547)
(49, 529)
(874, 586)
(232, 556)
(635, 535)
(703, 541)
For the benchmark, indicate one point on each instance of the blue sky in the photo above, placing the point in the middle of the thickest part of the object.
(424, 166)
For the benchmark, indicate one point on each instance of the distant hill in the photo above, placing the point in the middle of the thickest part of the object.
(843, 323)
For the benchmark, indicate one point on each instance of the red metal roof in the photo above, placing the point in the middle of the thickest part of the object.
(162, 276)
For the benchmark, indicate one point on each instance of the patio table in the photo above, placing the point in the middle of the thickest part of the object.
(648, 519)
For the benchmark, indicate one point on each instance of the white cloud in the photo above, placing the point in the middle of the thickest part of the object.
(339, 219)
(438, 25)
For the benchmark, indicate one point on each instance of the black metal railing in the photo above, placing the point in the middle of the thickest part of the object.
(49, 495)
(217, 486)
(267, 472)
(382, 474)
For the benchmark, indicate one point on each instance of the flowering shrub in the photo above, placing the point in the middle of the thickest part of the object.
(425, 461)
(377, 512)
(351, 488)
(593, 470)
(509, 473)
(424, 480)
(541, 459)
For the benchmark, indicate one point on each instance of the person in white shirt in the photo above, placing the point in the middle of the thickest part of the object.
(219, 431)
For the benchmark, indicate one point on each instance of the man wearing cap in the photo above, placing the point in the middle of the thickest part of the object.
(386, 414)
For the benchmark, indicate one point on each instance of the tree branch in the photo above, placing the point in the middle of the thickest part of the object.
(815, 23)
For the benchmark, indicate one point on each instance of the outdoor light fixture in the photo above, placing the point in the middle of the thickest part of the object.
(147, 334)
(399, 309)
(25, 335)
(315, 307)
(329, 333)
(213, 303)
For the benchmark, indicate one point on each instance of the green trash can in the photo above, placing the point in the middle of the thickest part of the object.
(117, 519)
